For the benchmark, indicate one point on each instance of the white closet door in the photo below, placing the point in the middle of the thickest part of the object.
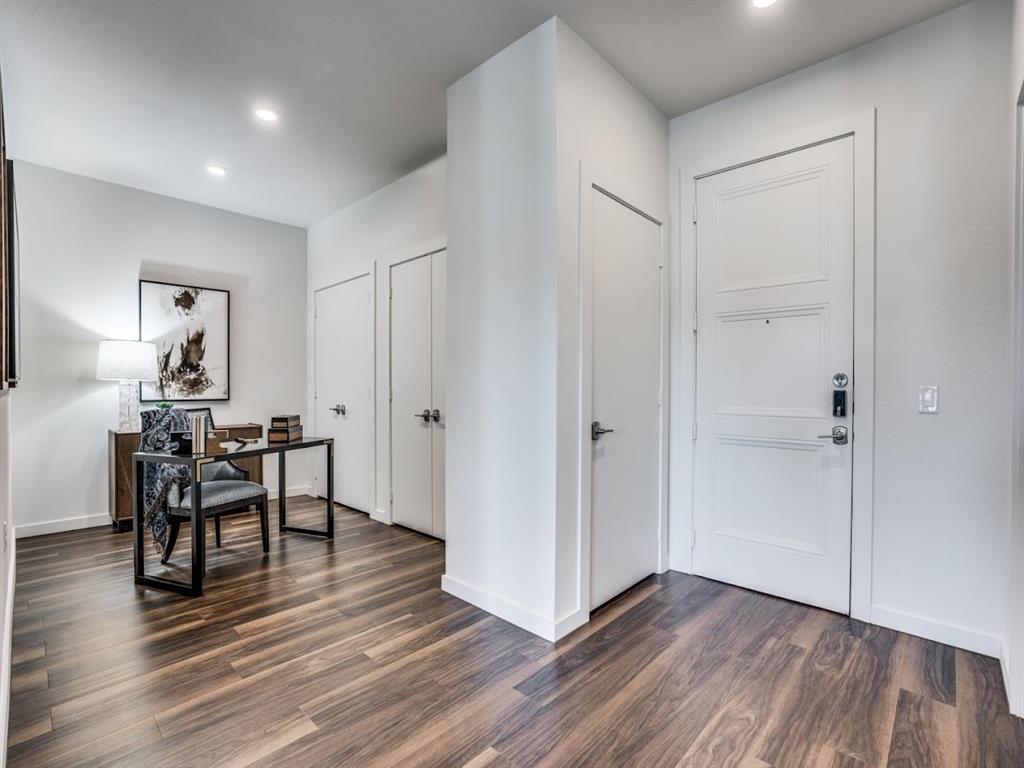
(412, 401)
(344, 384)
(626, 383)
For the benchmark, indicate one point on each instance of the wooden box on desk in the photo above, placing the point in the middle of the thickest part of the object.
(122, 444)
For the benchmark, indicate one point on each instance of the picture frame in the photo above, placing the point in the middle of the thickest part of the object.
(191, 327)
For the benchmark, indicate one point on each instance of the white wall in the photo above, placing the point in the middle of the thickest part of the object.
(84, 246)
(502, 294)
(519, 128)
(400, 221)
(942, 250)
(621, 140)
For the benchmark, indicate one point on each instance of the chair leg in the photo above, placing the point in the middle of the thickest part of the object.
(216, 530)
(264, 525)
(172, 538)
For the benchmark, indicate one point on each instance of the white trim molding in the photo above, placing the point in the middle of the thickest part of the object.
(292, 490)
(861, 127)
(948, 634)
(59, 526)
(503, 609)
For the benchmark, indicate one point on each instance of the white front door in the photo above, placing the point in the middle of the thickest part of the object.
(626, 348)
(772, 499)
(344, 387)
(417, 393)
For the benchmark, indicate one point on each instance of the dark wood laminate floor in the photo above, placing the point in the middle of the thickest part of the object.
(349, 654)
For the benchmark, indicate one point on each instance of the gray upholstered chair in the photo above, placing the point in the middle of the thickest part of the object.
(225, 490)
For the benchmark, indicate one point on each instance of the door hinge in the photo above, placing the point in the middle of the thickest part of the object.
(391, 395)
(693, 538)
(694, 213)
(391, 292)
(391, 496)
(694, 322)
(661, 395)
(694, 432)
(661, 260)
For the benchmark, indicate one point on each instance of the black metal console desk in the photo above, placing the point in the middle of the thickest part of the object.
(230, 450)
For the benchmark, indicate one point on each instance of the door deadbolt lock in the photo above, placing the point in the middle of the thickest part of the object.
(839, 436)
(840, 380)
(435, 415)
(596, 430)
(339, 409)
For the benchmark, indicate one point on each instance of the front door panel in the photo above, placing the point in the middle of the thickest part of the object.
(775, 322)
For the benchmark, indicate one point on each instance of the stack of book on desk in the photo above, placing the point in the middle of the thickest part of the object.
(284, 429)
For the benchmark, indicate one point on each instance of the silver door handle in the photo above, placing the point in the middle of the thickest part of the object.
(596, 430)
(435, 414)
(425, 415)
(839, 436)
(338, 409)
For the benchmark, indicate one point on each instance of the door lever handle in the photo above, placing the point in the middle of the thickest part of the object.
(425, 415)
(839, 436)
(338, 409)
(596, 430)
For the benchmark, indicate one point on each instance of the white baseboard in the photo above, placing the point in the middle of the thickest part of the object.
(1008, 685)
(948, 634)
(6, 630)
(503, 609)
(94, 521)
(57, 526)
(292, 490)
(381, 516)
(572, 622)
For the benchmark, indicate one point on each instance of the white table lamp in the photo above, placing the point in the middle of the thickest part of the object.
(128, 362)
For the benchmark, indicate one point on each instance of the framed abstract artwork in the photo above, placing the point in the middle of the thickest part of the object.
(191, 329)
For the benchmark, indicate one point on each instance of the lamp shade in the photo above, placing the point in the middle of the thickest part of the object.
(126, 361)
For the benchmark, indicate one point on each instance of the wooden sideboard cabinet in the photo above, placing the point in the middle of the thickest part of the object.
(122, 444)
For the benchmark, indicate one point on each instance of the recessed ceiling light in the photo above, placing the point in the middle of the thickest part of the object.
(764, 3)
(265, 115)
(215, 169)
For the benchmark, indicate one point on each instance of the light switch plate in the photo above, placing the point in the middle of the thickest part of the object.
(928, 400)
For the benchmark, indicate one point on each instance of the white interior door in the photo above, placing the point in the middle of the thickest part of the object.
(344, 387)
(625, 473)
(411, 395)
(775, 323)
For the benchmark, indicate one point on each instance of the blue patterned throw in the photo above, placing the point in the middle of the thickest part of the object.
(160, 479)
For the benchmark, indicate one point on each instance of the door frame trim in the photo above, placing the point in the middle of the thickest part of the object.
(861, 126)
(588, 184)
(371, 272)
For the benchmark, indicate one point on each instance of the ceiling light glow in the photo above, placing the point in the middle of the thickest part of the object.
(265, 115)
(215, 169)
(764, 3)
